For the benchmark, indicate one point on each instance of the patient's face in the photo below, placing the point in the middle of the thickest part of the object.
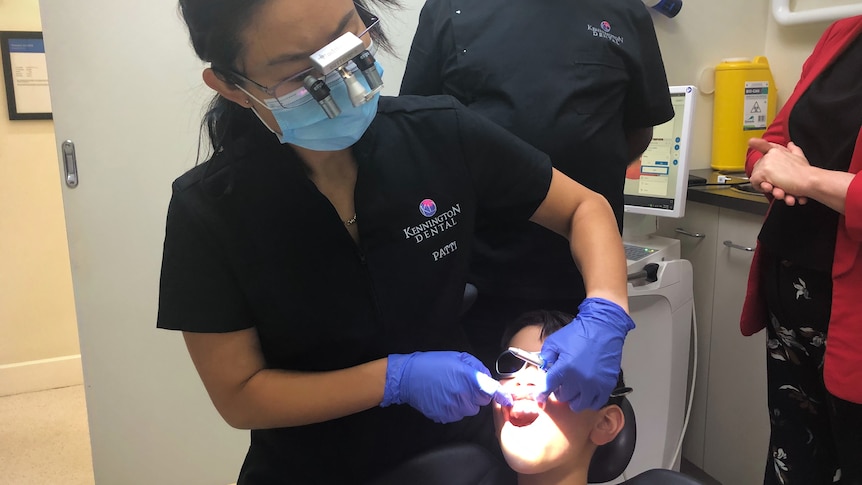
(538, 437)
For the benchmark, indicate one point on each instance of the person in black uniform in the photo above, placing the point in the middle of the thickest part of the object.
(316, 263)
(582, 81)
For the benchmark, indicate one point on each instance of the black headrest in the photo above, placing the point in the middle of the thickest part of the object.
(611, 459)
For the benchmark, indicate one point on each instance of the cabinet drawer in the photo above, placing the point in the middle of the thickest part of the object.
(737, 425)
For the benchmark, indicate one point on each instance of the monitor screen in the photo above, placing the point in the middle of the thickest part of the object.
(657, 184)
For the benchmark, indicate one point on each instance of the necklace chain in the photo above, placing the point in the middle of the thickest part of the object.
(351, 221)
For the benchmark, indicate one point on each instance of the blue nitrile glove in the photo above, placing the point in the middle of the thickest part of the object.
(584, 356)
(444, 386)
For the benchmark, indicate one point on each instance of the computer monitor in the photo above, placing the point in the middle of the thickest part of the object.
(657, 185)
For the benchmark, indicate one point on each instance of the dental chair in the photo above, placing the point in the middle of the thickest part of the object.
(610, 460)
(470, 464)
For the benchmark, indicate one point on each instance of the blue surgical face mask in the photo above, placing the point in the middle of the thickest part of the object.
(302, 121)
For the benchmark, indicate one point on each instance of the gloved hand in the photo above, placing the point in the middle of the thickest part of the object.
(444, 386)
(584, 356)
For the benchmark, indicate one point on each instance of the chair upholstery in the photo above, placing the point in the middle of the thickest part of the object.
(611, 459)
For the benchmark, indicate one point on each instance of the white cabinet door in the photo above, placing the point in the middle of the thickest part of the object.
(737, 428)
(698, 235)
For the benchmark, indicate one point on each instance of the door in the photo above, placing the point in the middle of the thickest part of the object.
(126, 89)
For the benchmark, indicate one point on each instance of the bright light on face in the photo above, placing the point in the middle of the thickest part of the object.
(487, 383)
(536, 437)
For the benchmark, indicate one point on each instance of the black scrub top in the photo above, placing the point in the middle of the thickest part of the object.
(570, 78)
(251, 242)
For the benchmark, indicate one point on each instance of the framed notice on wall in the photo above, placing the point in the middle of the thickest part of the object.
(26, 75)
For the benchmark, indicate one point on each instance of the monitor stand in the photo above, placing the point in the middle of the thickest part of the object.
(642, 245)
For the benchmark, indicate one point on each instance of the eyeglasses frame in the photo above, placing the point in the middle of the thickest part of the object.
(525, 361)
(615, 393)
(271, 90)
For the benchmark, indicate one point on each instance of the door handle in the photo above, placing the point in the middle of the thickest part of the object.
(731, 245)
(70, 164)
(682, 231)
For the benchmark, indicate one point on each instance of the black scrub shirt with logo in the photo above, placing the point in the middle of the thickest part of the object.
(570, 78)
(251, 242)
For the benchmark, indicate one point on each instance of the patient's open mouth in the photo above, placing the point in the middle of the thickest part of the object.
(523, 412)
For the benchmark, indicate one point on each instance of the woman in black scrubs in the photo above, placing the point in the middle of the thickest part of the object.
(316, 264)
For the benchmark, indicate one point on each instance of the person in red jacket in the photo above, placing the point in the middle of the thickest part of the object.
(805, 284)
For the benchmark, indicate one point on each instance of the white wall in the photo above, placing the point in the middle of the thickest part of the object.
(788, 46)
(699, 37)
(705, 32)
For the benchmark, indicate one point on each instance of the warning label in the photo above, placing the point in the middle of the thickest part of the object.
(754, 105)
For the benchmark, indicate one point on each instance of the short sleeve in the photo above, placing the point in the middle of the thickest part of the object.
(198, 291)
(647, 100)
(510, 176)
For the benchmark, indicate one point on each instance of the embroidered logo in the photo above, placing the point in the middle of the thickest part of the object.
(435, 224)
(603, 31)
(428, 208)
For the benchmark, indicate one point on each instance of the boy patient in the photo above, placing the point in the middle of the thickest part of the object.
(547, 443)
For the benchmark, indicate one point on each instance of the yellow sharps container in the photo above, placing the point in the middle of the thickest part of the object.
(744, 104)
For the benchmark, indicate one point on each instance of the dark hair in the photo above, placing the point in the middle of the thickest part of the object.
(214, 29)
(551, 321)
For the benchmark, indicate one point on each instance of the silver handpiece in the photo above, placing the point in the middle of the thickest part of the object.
(529, 357)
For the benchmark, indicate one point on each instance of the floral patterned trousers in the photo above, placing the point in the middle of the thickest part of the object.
(816, 438)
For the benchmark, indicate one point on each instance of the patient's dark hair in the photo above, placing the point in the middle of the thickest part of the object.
(551, 321)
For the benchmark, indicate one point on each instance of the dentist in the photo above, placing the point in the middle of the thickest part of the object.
(314, 313)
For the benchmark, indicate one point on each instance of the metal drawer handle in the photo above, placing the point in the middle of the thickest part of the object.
(730, 244)
(682, 231)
